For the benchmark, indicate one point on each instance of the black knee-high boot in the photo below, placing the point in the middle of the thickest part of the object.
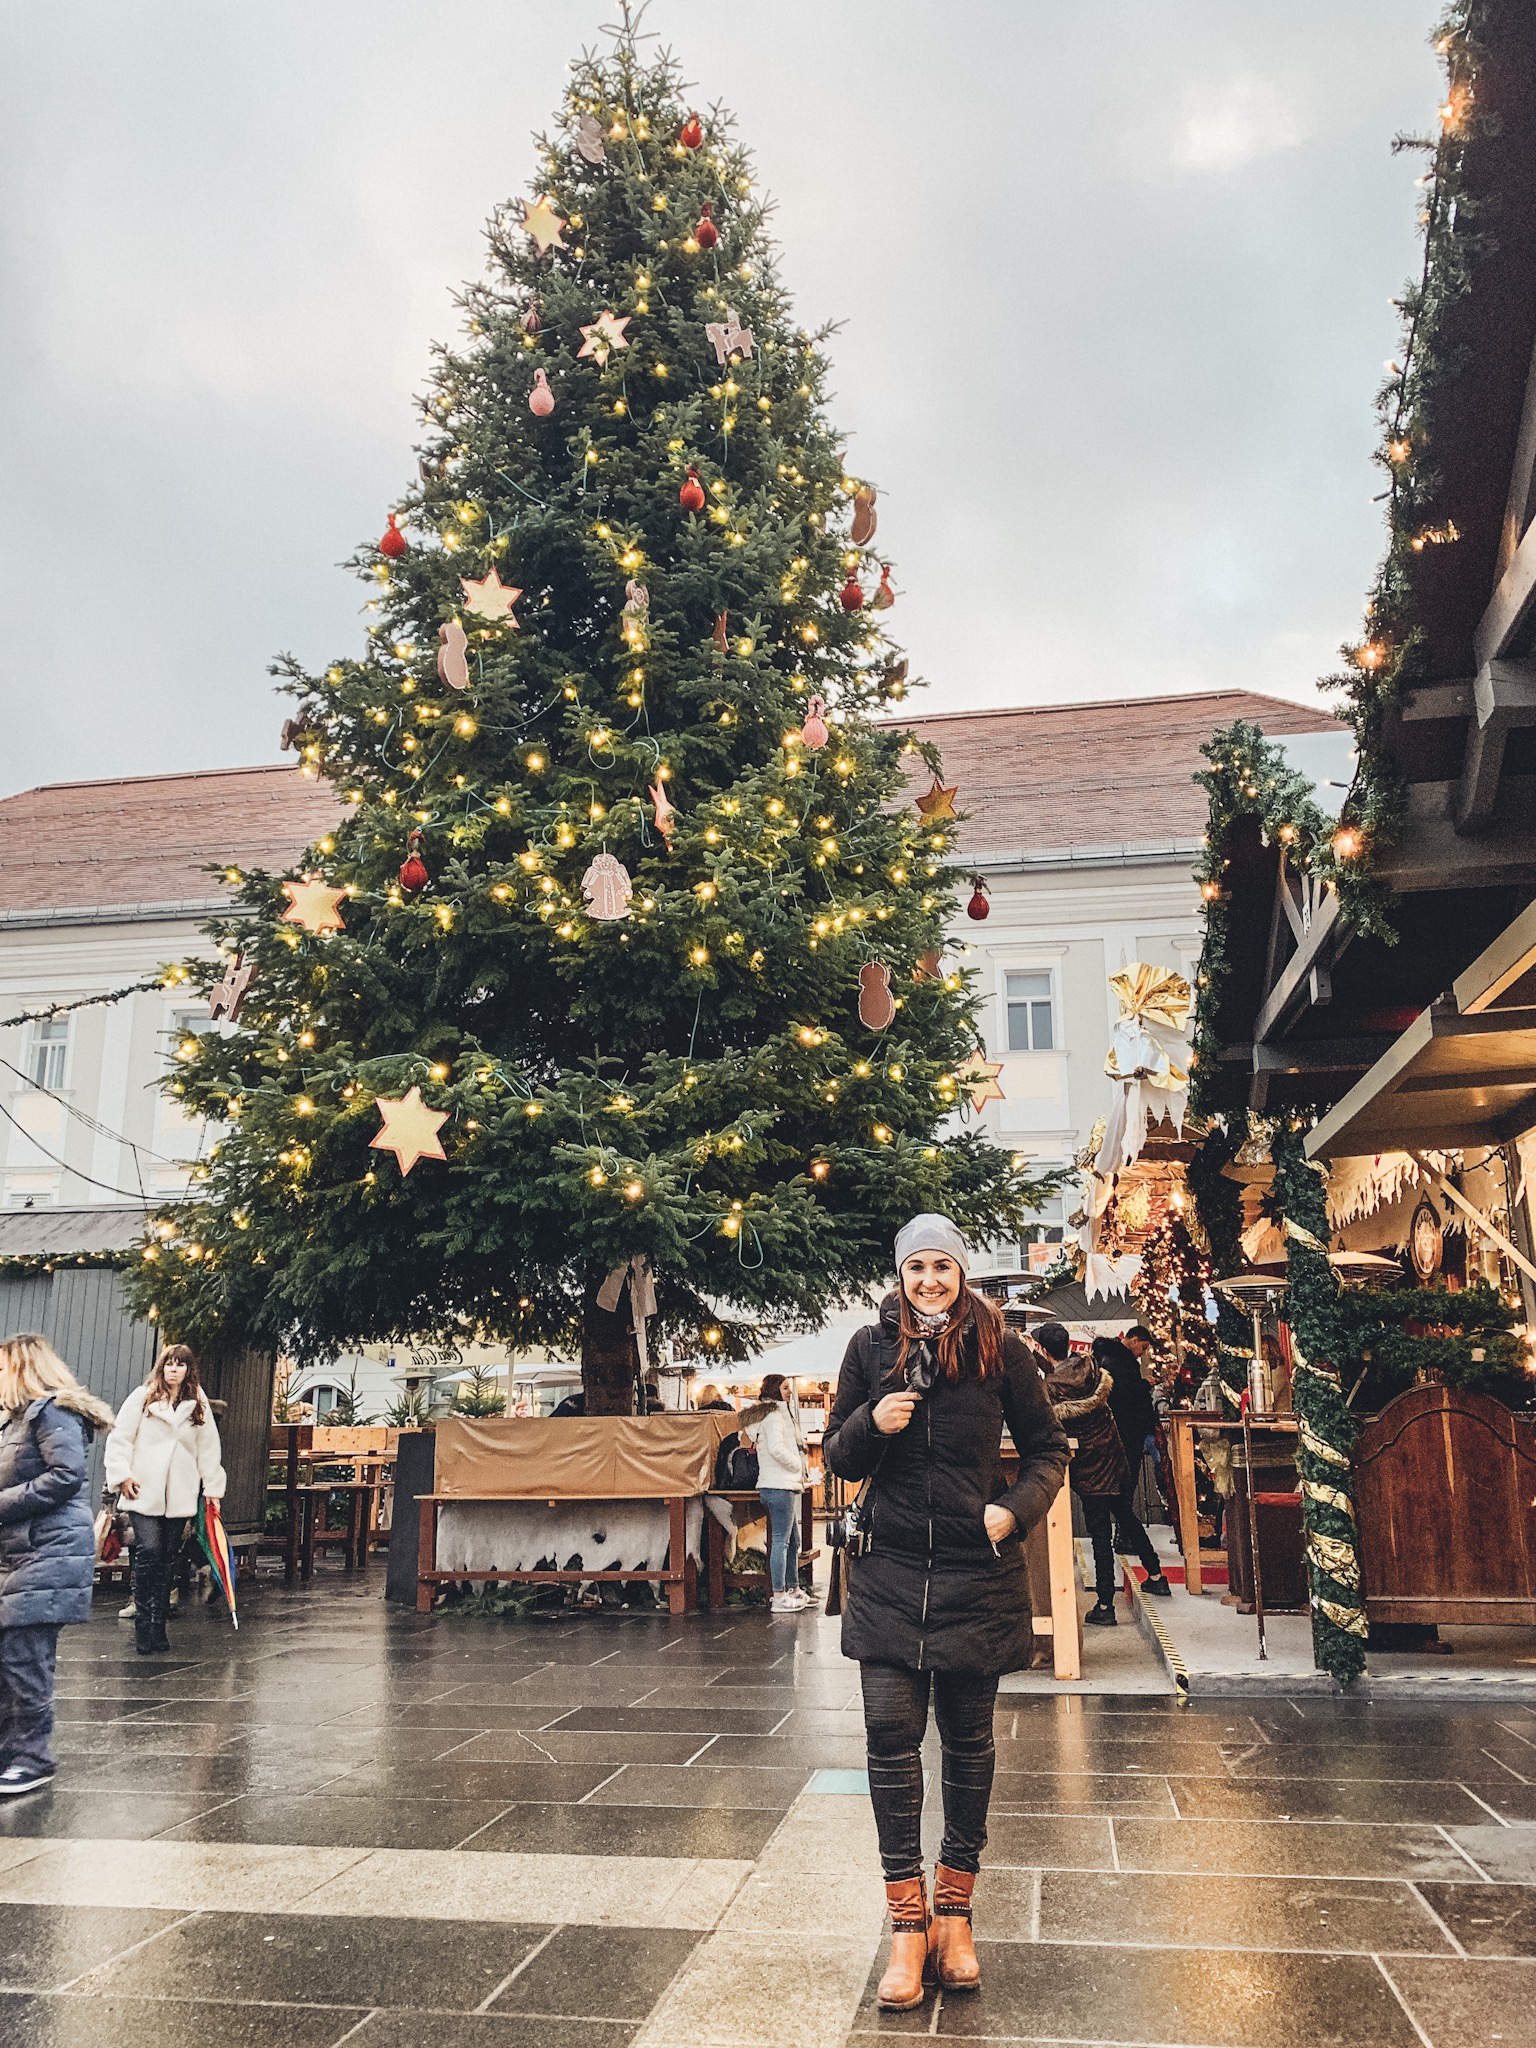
(164, 1573)
(143, 1601)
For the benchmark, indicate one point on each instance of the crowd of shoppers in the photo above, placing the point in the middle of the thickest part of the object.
(1105, 1406)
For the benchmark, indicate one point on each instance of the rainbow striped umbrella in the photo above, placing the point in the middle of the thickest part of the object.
(210, 1533)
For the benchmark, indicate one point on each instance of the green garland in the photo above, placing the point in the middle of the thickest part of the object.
(1390, 655)
(1249, 777)
(1327, 1426)
(1470, 1342)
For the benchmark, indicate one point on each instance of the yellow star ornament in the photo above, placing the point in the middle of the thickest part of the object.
(978, 1076)
(410, 1130)
(314, 904)
(938, 804)
(544, 224)
(490, 598)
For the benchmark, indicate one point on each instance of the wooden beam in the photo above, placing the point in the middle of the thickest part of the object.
(1499, 966)
(1436, 700)
(1294, 984)
(1522, 478)
(1319, 1055)
(1433, 856)
(1480, 1221)
(1446, 1084)
(1381, 1079)
(1510, 605)
(1504, 697)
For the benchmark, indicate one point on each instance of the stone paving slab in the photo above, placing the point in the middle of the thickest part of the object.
(1259, 1872)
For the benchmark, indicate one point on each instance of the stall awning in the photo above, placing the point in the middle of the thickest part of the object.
(1463, 1073)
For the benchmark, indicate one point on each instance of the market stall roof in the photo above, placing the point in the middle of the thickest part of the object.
(1464, 1071)
(1069, 1304)
(71, 1233)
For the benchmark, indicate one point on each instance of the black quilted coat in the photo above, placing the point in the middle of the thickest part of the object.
(931, 1592)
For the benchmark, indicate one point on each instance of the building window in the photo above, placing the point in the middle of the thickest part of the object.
(1043, 1239)
(185, 1024)
(1031, 1012)
(46, 1052)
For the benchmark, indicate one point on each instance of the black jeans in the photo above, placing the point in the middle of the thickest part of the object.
(1104, 1512)
(157, 1543)
(895, 1721)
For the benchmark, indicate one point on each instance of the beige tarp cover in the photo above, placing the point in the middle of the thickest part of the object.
(578, 1457)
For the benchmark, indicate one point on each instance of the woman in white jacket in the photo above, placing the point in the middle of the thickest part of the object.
(163, 1451)
(781, 1479)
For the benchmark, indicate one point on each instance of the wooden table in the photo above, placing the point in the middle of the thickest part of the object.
(680, 1579)
(369, 1454)
(314, 1530)
(714, 1542)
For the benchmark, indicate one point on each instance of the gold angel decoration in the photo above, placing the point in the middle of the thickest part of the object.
(1148, 1059)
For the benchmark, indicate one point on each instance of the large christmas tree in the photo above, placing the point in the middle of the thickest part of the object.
(632, 917)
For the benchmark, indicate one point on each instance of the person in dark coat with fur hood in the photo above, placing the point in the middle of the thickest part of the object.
(1082, 1392)
(938, 1599)
(47, 1544)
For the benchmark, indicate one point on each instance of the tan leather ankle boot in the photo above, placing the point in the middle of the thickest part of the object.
(901, 1988)
(950, 1946)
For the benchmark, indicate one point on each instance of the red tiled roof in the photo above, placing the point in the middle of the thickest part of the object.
(1033, 778)
(1053, 777)
(145, 839)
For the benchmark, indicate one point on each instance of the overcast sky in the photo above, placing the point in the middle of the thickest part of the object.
(1113, 279)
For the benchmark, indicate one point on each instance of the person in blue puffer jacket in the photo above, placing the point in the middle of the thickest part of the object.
(47, 1544)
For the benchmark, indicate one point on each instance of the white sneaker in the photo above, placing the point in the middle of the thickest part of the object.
(799, 1596)
(783, 1603)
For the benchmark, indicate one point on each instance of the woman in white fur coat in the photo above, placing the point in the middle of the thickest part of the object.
(163, 1451)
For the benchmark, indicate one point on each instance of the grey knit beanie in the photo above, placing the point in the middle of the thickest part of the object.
(932, 1234)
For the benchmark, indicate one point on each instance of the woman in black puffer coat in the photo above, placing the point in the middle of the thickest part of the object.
(940, 1598)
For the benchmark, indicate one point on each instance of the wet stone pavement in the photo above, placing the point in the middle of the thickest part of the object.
(353, 1824)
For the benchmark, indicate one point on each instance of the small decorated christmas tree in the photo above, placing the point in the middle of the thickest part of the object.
(627, 943)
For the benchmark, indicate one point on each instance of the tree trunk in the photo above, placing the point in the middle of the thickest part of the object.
(608, 1357)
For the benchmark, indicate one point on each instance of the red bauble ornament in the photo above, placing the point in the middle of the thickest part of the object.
(691, 134)
(706, 234)
(851, 596)
(978, 907)
(541, 400)
(691, 496)
(413, 874)
(394, 542)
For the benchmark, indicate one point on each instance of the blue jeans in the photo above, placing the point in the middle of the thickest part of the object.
(783, 1505)
(27, 1657)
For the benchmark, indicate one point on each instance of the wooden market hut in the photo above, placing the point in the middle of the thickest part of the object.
(1370, 967)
